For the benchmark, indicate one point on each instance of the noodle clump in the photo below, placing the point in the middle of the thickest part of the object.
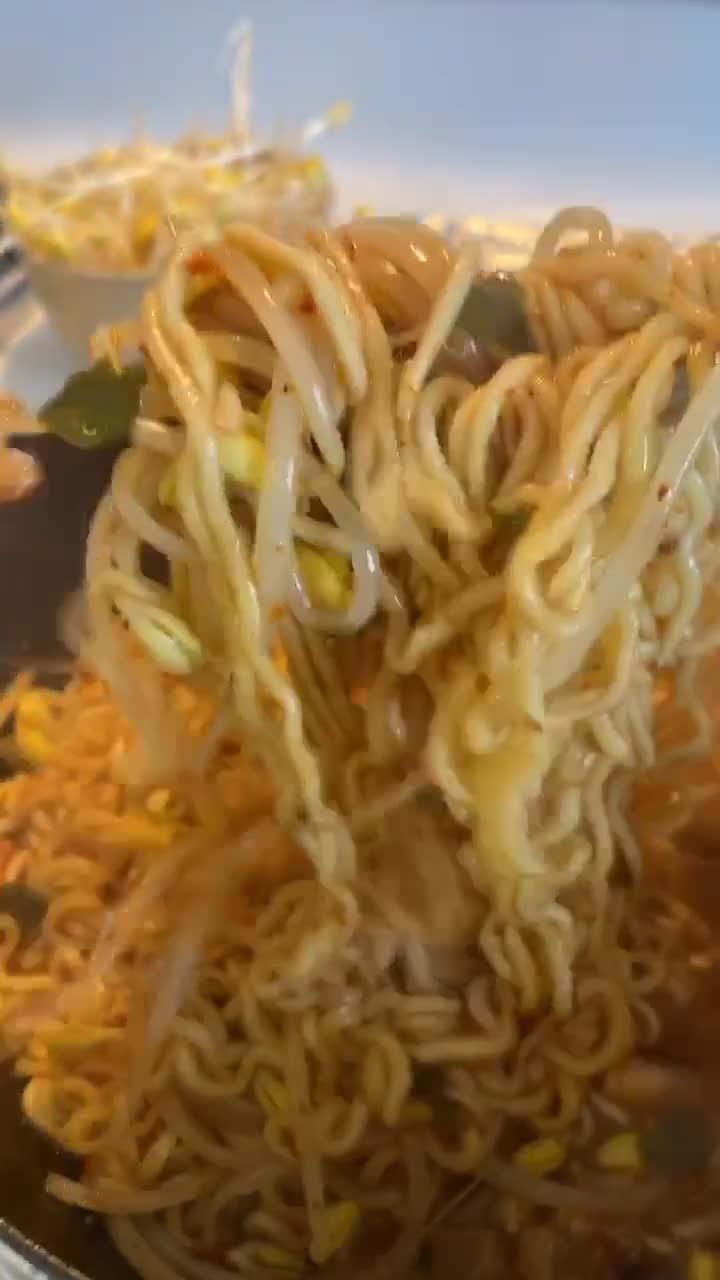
(345, 901)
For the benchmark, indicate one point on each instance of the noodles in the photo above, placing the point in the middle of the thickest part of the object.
(273, 538)
(364, 558)
(346, 910)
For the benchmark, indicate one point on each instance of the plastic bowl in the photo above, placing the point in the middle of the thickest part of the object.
(79, 302)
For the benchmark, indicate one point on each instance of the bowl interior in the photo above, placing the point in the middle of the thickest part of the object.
(42, 543)
(59, 1242)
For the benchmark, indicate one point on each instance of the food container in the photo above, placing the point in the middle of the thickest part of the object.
(79, 302)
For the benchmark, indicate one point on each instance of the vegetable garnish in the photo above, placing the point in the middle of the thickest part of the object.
(494, 314)
(96, 407)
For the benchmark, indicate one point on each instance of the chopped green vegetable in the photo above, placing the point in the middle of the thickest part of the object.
(26, 906)
(97, 407)
(495, 316)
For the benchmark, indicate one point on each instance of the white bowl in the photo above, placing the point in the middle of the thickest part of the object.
(79, 302)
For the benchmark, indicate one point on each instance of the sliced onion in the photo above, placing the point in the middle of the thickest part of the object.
(73, 622)
(273, 554)
(150, 434)
(243, 351)
(107, 1197)
(148, 530)
(320, 534)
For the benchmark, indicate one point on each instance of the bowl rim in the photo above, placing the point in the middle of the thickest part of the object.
(34, 261)
(46, 1264)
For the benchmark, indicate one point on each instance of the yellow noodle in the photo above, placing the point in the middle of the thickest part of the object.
(339, 908)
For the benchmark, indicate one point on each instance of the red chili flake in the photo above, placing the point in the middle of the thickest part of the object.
(279, 656)
(200, 262)
(663, 491)
(307, 307)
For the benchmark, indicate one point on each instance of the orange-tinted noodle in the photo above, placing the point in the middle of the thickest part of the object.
(344, 823)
